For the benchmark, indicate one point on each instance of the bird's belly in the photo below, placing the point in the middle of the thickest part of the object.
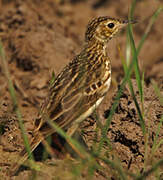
(76, 123)
(103, 90)
(89, 111)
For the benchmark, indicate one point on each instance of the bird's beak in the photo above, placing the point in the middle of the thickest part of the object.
(124, 23)
(129, 22)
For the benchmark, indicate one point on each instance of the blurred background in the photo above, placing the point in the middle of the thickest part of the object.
(40, 37)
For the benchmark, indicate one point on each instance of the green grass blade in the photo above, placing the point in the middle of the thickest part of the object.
(133, 48)
(84, 155)
(155, 145)
(134, 98)
(158, 92)
(116, 166)
(14, 100)
(152, 169)
(142, 82)
(158, 144)
(136, 66)
(133, 6)
(151, 22)
(72, 141)
(160, 97)
(128, 49)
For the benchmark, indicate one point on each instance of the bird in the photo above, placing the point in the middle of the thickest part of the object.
(80, 87)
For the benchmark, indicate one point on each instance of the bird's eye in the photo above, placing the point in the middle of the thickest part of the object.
(111, 25)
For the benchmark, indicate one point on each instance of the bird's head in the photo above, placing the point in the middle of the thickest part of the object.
(104, 28)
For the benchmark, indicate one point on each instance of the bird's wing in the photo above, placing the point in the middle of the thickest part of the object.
(72, 94)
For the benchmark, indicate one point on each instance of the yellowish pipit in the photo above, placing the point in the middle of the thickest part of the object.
(81, 85)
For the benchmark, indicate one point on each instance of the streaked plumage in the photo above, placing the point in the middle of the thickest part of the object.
(81, 85)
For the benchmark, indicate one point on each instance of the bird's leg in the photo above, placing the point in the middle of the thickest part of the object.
(70, 132)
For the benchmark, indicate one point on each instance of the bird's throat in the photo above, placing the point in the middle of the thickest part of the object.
(96, 47)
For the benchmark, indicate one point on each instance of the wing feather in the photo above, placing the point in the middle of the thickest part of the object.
(74, 91)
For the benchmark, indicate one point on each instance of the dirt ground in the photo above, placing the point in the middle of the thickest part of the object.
(40, 37)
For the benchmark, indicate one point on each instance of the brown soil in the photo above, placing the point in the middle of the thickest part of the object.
(40, 37)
